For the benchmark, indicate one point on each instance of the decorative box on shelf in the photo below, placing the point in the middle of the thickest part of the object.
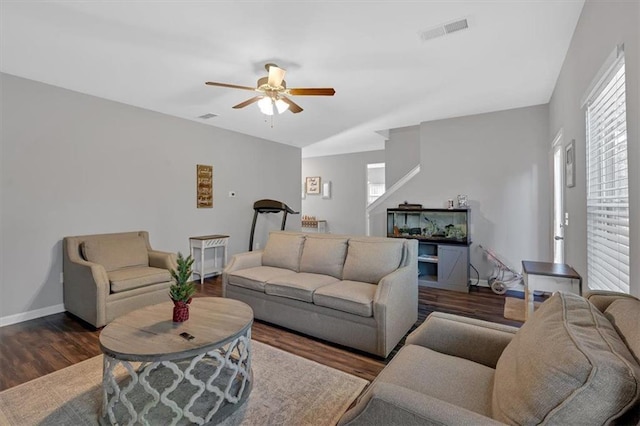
(310, 223)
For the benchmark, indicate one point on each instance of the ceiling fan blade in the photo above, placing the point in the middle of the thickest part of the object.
(293, 107)
(248, 102)
(306, 91)
(232, 86)
(276, 75)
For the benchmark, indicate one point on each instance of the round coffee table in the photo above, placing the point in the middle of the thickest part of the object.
(196, 371)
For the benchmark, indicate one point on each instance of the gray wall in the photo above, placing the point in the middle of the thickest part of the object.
(75, 164)
(500, 161)
(600, 28)
(345, 211)
(402, 153)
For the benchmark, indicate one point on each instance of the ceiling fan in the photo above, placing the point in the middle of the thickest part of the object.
(273, 92)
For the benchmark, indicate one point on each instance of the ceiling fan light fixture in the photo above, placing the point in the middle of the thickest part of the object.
(266, 105)
(269, 106)
(282, 106)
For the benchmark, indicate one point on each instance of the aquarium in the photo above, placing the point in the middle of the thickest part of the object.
(439, 225)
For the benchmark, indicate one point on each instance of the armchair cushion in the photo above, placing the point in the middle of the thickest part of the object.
(370, 259)
(116, 253)
(283, 250)
(391, 405)
(322, 255)
(566, 365)
(124, 279)
(468, 338)
(450, 379)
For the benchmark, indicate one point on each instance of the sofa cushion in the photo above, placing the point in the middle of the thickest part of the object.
(136, 276)
(298, 286)
(255, 278)
(566, 365)
(322, 255)
(624, 314)
(353, 297)
(439, 376)
(370, 259)
(283, 250)
(116, 253)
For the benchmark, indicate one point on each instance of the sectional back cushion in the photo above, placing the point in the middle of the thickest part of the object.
(566, 365)
(116, 253)
(324, 255)
(371, 259)
(283, 250)
(624, 314)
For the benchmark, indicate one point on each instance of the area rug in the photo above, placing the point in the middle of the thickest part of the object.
(514, 308)
(287, 390)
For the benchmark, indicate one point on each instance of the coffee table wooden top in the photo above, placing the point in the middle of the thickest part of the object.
(149, 334)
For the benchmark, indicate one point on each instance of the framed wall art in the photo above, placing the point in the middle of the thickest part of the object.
(570, 164)
(312, 185)
(204, 186)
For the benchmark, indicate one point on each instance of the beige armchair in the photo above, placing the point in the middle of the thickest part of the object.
(570, 364)
(109, 275)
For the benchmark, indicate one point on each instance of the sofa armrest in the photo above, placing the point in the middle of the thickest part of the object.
(601, 299)
(395, 306)
(162, 259)
(468, 338)
(249, 259)
(389, 404)
(86, 287)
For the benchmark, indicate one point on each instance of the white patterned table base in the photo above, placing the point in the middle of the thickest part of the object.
(206, 384)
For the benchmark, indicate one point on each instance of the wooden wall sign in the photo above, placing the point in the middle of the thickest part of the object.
(313, 185)
(204, 186)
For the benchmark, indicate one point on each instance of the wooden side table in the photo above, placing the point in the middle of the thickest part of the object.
(203, 243)
(547, 276)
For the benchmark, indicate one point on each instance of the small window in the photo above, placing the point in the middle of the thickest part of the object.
(375, 181)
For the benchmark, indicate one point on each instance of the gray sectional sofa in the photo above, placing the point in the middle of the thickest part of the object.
(575, 362)
(360, 292)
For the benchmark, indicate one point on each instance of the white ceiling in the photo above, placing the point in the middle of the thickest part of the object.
(158, 54)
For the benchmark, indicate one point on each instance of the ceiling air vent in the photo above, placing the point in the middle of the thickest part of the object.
(208, 116)
(444, 29)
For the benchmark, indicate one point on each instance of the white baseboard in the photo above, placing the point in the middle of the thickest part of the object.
(26, 316)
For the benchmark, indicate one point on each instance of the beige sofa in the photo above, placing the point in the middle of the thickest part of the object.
(573, 363)
(109, 275)
(360, 292)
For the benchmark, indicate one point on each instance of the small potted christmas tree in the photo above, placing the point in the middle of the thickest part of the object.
(182, 290)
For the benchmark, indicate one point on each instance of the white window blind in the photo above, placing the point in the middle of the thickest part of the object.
(607, 184)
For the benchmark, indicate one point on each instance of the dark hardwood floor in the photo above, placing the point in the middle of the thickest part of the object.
(34, 348)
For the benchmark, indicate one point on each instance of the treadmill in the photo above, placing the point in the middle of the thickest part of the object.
(269, 206)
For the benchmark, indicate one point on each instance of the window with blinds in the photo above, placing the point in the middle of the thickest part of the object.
(607, 184)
